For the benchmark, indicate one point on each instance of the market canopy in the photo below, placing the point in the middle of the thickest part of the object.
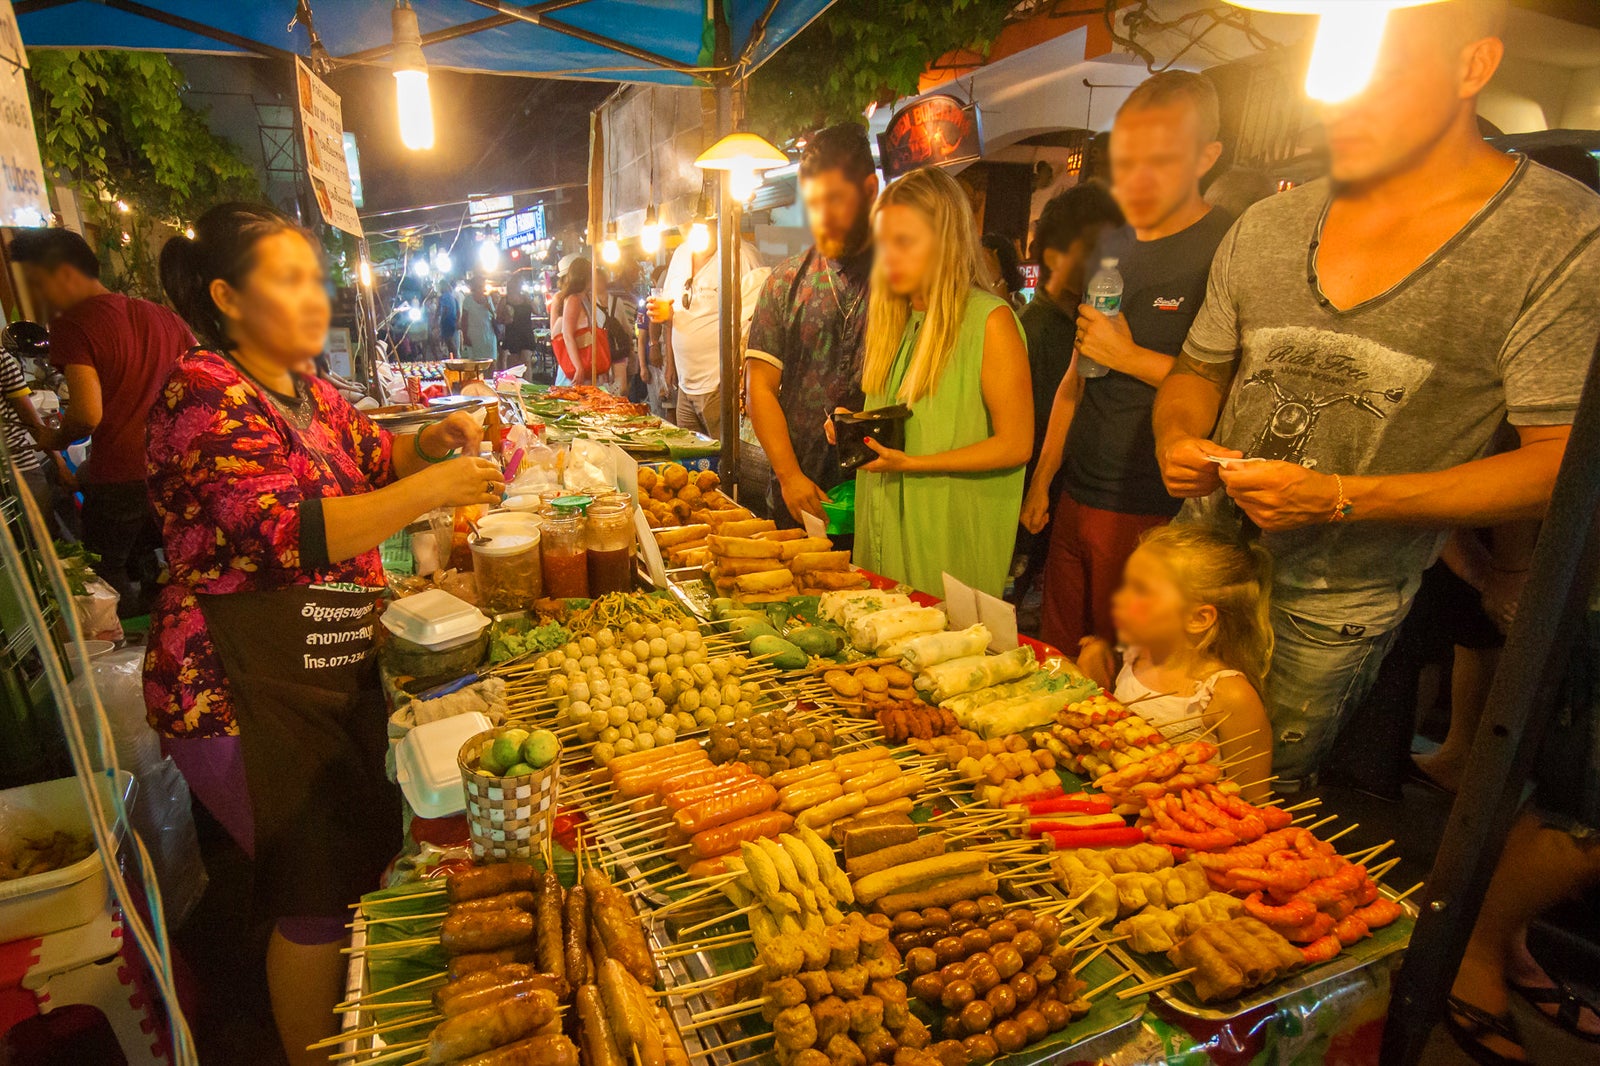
(668, 42)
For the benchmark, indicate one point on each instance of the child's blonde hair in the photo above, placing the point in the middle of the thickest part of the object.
(1235, 579)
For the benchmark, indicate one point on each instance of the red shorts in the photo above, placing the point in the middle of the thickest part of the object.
(1088, 549)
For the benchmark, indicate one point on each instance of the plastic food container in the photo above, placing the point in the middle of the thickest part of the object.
(507, 564)
(886, 425)
(840, 507)
(427, 768)
(434, 620)
(61, 898)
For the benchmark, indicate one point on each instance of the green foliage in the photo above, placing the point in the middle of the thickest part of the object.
(860, 51)
(115, 123)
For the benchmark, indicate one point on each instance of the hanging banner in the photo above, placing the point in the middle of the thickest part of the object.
(23, 201)
(934, 131)
(322, 123)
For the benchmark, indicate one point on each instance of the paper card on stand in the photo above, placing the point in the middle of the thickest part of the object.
(649, 550)
(627, 468)
(815, 527)
(960, 603)
(1001, 619)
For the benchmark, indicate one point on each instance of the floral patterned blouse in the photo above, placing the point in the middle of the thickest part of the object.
(228, 476)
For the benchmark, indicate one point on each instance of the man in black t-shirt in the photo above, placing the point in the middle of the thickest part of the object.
(1163, 143)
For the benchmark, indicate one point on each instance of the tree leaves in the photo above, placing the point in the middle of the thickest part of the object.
(114, 126)
(861, 51)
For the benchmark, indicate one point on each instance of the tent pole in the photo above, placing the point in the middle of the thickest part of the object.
(728, 286)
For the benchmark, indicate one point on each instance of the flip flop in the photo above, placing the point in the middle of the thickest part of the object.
(1468, 1025)
(1569, 1005)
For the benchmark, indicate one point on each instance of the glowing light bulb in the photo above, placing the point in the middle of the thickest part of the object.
(414, 313)
(489, 255)
(416, 109)
(650, 234)
(122, 206)
(1346, 50)
(442, 264)
(188, 231)
(743, 182)
(610, 252)
(699, 237)
(364, 271)
(419, 267)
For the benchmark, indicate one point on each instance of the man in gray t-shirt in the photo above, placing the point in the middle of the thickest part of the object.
(1362, 339)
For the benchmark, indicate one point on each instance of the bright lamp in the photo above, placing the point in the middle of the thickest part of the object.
(412, 97)
(743, 156)
(650, 234)
(1349, 34)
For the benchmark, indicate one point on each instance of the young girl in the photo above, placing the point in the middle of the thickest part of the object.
(1196, 638)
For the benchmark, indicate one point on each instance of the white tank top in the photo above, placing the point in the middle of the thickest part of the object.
(1174, 714)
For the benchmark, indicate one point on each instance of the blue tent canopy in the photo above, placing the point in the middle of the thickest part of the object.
(668, 42)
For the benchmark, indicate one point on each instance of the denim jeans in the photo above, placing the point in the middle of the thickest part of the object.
(1319, 674)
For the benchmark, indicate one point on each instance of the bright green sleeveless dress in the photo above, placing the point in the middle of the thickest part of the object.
(916, 527)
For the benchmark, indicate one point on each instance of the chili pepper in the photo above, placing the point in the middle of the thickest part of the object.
(1063, 839)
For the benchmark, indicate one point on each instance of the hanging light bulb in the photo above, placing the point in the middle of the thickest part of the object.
(610, 251)
(743, 156)
(441, 262)
(412, 97)
(365, 273)
(699, 237)
(489, 255)
(188, 231)
(1349, 35)
(650, 235)
(419, 266)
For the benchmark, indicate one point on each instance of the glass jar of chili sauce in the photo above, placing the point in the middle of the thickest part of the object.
(610, 536)
(562, 548)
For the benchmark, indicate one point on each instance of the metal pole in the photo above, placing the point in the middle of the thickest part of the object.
(1523, 697)
(728, 303)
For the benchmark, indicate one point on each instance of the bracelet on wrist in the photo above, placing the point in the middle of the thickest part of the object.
(416, 442)
(1342, 505)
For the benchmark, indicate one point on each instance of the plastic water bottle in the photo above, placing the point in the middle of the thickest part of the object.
(1105, 296)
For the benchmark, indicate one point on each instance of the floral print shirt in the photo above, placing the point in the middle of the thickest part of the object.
(228, 476)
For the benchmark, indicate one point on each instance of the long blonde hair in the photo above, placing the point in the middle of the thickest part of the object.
(1235, 579)
(937, 197)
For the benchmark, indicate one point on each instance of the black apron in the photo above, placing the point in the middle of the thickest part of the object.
(302, 673)
(303, 676)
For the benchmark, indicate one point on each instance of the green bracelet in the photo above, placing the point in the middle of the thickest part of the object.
(416, 442)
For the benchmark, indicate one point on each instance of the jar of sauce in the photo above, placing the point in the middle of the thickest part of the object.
(609, 536)
(506, 562)
(563, 551)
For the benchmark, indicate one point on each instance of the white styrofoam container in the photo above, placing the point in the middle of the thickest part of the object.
(426, 767)
(434, 619)
(58, 899)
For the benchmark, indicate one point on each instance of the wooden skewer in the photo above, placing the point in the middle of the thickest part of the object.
(1341, 832)
(1085, 934)
(1408, 891)
(1315, 825)
(719, 919)
(1368, 854)
(698, 894)
(1214, 726)
(1234, 740)
(705, 944)
(361, 1001)
(396, 918)
(1158, 983)
(748, 1006)
(1307, 805)
(391, 1053)
(391, 945)
(1025, 882)
(713, 981)
(1377, 872)
(1262, 781)
(373, 1030)
(1074, 903)
(741, 1042)
(1093, 992)
(1087, 959)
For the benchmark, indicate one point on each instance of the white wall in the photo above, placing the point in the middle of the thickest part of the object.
(1526, 96)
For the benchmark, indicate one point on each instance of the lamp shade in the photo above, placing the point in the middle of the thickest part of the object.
(741, 151)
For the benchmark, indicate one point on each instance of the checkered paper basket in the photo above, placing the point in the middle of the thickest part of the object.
(507, 817)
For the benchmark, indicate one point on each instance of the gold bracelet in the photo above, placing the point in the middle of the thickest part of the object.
(1341, 506)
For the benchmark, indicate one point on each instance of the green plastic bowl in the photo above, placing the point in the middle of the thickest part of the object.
(841, 509)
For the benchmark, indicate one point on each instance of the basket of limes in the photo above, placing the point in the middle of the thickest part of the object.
(511, 777)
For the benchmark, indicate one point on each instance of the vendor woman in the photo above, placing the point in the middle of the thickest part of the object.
(274, 494)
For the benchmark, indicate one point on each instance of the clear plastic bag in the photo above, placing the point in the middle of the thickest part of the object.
(164, 821)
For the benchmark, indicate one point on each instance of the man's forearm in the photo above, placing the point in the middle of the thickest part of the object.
(1188, 400)
(68, 433)
(1054, 447)
(1148, 366)
(1502, 488)
(772, 430)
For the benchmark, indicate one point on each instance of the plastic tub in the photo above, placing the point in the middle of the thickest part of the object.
(65, 897)
(426, 766)
(506, 564)
(434, 620)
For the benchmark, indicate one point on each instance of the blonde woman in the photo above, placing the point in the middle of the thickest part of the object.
(955, 355)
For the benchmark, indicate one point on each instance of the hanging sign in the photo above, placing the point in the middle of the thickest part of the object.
(322, 124)
(934, 131)
(523, 228)
(22, 195)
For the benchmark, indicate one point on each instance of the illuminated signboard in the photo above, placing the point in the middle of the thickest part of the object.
(935, 131)
(524, 227)
(488, 208)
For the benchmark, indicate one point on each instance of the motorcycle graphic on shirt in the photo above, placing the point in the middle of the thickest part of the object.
(1321, 399)
(1294, 417)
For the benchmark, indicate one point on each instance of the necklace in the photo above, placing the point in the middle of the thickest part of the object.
(848, 314)
(298, 410)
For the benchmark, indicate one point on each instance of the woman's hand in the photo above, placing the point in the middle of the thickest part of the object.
(827, 426)
(889, 461)
(458, 432)
(464, 482)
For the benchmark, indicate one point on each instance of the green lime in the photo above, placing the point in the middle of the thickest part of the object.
(521, 769)
(540, 749)
(502, 753)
